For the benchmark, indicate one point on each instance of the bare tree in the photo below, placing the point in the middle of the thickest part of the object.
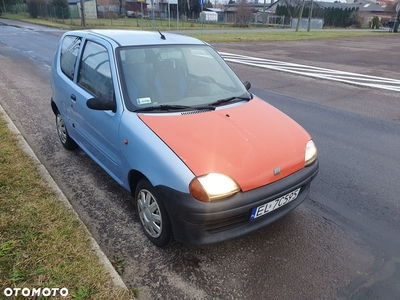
(243, 14)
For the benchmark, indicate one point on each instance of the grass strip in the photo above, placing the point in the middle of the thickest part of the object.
(42, 242)
(282, 36)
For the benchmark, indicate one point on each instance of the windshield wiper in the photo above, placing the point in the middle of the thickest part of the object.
(175, 107)
(230, 99)
(168, 107)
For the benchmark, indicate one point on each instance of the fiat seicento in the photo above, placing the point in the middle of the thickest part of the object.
(205, 159)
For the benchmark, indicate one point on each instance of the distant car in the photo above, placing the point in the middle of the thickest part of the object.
(164, 115)
(135, 14)
(391, 23)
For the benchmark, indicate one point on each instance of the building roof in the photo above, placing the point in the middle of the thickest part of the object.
(367, 6)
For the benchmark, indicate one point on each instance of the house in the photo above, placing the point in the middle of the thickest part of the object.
(369, 8)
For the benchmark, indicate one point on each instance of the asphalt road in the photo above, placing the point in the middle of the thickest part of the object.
(342, 243)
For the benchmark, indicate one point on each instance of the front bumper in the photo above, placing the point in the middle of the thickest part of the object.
(198, 223)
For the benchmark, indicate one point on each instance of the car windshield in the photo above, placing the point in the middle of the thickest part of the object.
(178, 76)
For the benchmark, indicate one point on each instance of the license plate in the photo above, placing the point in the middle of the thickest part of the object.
(274, 204)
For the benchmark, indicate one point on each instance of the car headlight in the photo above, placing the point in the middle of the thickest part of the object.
(212, 186)
(311, 153)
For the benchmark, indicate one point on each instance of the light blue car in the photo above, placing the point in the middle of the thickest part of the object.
(166, 117)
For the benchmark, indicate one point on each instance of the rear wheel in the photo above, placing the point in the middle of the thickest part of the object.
(65, 139)
(152, 214)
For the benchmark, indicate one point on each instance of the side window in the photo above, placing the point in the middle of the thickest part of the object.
(69, 52)
(95, 72)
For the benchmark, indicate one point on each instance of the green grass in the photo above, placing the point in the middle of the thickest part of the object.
(247, 35)
(282, 36)
(42, 243)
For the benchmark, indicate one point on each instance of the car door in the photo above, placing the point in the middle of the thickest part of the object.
(98, 129)
(63, 74)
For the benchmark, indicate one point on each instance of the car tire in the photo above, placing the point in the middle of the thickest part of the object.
(152, 214)
(63, 135)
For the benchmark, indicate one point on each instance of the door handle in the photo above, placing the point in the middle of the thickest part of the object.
(73, 97)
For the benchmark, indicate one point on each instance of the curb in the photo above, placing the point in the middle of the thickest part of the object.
(44, 174)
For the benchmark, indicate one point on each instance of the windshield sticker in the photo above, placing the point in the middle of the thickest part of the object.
(145, 100)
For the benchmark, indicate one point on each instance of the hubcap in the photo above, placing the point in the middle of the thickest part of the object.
(149, 213)
(62, 131)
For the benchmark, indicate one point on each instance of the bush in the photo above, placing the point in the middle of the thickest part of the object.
(243, 15)
(375, 22)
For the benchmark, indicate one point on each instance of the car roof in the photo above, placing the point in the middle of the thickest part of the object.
(139, 38)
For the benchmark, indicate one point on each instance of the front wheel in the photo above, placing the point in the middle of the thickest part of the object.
(152, 214)
(65, 139)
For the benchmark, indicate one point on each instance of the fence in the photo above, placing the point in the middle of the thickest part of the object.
(266, 20)
(14, 9)
(315, 23)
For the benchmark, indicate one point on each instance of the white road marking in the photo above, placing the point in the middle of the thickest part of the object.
(328, 74)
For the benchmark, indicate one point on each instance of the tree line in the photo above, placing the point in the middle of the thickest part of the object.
(333, 17)
(55, 8)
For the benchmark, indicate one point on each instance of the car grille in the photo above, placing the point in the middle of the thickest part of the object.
(226, 224)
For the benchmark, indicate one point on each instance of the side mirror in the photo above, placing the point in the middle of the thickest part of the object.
(247, 85)
(101, 104)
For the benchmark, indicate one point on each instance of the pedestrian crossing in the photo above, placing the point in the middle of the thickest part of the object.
(328, 74)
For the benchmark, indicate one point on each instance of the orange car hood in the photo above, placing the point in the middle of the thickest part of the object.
(246, 142)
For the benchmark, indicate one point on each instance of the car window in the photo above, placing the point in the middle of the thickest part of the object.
(95, 72)
(69, 53)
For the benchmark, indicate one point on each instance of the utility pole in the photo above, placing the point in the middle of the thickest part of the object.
(83, 21)
(310, 16)
(263, 15)
(141, 11)
(202, 16)
(299, 18)
(177, 15)
(152, 13)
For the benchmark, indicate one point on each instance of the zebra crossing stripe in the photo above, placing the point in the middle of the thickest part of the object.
(316, 72)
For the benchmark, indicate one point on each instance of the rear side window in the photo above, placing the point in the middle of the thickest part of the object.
(69, 52)
(94, 71)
